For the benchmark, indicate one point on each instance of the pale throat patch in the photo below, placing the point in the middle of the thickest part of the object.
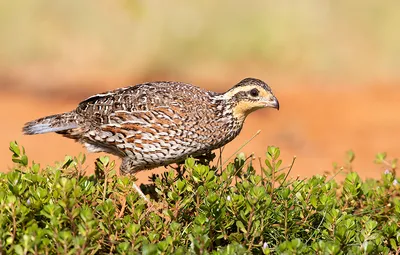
(244, 108)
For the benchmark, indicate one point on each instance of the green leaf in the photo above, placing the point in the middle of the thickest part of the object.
(240, 226)
(14, 148)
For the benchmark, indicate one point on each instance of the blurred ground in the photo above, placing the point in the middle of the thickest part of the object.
(334, 65)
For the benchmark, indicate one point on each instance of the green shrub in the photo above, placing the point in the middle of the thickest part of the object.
(197, 210)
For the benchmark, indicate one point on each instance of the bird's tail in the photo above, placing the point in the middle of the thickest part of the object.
(54, 123)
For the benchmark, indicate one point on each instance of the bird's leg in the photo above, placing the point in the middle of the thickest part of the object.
(139, 191)
(126, 168)
(180, 169)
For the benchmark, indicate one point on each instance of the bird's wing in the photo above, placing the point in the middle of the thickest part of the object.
(144, 110)
(162, 118)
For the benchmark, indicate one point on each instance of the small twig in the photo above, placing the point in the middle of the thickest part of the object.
(333, 176)
(290, 169)
(241, 147)
(220, 157)
(121, 213)
(319, 225)
(14, 216)
(105, 184)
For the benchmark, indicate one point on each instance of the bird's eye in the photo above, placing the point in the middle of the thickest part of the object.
(254, 92)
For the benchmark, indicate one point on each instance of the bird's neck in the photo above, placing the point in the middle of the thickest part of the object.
(228, 107)
(230, 123)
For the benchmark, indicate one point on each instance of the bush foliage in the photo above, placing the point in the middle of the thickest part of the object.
(198, 209)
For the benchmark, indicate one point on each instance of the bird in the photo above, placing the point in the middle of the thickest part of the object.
(156, 124)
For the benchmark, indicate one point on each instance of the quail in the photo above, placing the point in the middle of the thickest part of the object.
(158, 123)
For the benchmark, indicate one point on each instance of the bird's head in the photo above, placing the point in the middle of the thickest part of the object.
(249, 95)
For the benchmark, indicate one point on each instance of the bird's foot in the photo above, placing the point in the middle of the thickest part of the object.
(205, 158)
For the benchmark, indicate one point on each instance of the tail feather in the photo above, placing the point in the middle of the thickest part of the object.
(53, 123)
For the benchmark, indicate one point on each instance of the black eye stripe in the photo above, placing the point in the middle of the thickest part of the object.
(254, 92)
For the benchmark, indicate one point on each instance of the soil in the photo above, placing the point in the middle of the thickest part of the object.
(316, 125)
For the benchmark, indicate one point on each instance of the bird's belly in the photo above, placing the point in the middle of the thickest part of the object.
(150, 146)
(154, 153)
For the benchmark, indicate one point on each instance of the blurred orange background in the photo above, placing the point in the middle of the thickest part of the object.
(334, 66)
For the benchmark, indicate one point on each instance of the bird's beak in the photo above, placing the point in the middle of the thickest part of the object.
(272, 102)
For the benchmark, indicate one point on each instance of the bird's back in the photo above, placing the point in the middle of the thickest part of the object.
(143, 98)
